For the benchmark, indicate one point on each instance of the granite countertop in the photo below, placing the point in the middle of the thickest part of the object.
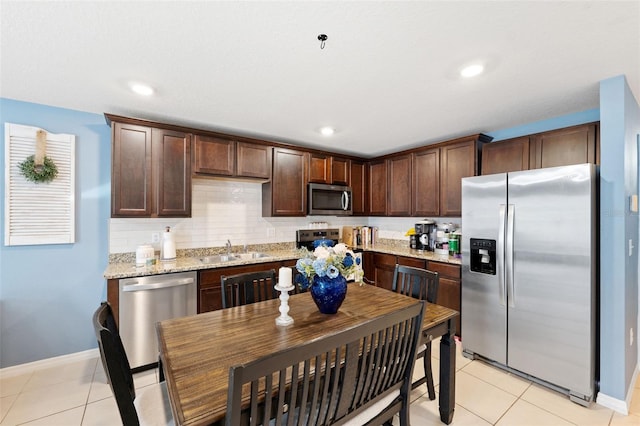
(123, 266)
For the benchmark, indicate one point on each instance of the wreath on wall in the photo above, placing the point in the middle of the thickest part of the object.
(45, 172)
(39, 168)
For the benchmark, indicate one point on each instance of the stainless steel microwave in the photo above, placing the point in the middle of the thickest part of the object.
(331, 200)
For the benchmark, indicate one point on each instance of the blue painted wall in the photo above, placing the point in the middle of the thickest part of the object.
(48, 292)
(619, 130)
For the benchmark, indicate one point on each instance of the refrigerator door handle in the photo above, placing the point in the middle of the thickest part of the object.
(511, 297)
(500, 255)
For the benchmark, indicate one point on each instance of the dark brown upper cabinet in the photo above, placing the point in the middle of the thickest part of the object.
(340, 171)
(329, 169)
(377, 188)
(399, 185)
(253, 160)
(426, 182)
(151, 172)
(510, 155)
(286, 193)
(563, 147)
(216, 156)
(319, 168)
(457, 161)
(358, 175)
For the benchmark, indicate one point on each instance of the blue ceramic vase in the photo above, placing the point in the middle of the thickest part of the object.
(328, 293)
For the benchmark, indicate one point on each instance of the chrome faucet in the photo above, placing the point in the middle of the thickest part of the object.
(228, 247)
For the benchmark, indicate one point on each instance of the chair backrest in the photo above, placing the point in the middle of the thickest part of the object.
(242, 289)
(115, 363)
(419, 283)
(334, 379)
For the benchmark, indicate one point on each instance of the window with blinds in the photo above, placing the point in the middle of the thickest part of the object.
(38, 213)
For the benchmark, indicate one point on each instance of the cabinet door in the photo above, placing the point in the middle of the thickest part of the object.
(449, 288)
(368, 267)
(377, 184)
(426, 183)
(286, 193)
(319, 168)
(253, 160)
(340, 171)
(214, 156)
(358, 187)
(564, 147)
(412, 261)
(505, 156)
(457, 161)
(131, 189)
(172, 176)
(210, 283)
(384, 267)
(399, 190)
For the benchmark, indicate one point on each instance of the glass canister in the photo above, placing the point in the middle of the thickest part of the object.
(454, 244)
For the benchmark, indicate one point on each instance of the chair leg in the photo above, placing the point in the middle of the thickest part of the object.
(160, 371)
(428, 373)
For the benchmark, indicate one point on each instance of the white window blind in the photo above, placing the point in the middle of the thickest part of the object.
(38, 213)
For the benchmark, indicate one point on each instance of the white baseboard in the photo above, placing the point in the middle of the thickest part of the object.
(20, 369)
(618, 405)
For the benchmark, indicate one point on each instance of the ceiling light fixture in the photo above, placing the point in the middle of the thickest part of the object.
(472, 70)
(327, 131)
(141, 89)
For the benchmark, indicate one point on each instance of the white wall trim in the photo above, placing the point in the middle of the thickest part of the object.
(29, 367)
(618, 405)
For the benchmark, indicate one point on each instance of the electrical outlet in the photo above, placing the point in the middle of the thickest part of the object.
(155, 237)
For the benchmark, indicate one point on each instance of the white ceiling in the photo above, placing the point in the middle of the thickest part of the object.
(386, 80)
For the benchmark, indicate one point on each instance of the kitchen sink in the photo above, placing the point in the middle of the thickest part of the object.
(250, 255)
(219, 258)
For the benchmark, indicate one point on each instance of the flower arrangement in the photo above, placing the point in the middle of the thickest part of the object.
(329, 261)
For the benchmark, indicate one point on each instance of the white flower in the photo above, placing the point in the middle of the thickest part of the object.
(322, 252)
(340, 249)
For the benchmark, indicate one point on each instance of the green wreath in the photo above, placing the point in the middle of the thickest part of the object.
(45, 173)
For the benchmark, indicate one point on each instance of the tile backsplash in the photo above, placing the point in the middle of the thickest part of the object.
(232, 209)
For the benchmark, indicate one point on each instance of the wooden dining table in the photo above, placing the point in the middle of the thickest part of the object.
(196, 352)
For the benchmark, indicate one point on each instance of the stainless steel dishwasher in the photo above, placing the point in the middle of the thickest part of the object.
(146, 300)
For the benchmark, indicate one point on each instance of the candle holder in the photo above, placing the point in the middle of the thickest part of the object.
(284, 318)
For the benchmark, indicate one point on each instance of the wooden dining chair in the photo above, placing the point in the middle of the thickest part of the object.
(251, 287)
(421, 284)
(354, 377)
(151, 405)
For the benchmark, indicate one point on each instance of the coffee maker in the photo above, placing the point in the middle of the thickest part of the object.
(425, 234)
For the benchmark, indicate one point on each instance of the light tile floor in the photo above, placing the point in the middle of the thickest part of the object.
(78, 394)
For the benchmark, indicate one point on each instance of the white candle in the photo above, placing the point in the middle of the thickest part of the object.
(284, 277)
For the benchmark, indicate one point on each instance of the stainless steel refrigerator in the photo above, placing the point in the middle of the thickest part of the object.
(529, 255)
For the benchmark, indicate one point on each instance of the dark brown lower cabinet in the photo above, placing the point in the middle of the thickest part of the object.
(384, 266)
(449, 287)
(209, 282)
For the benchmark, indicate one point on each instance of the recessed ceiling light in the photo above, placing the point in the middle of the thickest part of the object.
(472, 70)
(141, 89)
(327, 131)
